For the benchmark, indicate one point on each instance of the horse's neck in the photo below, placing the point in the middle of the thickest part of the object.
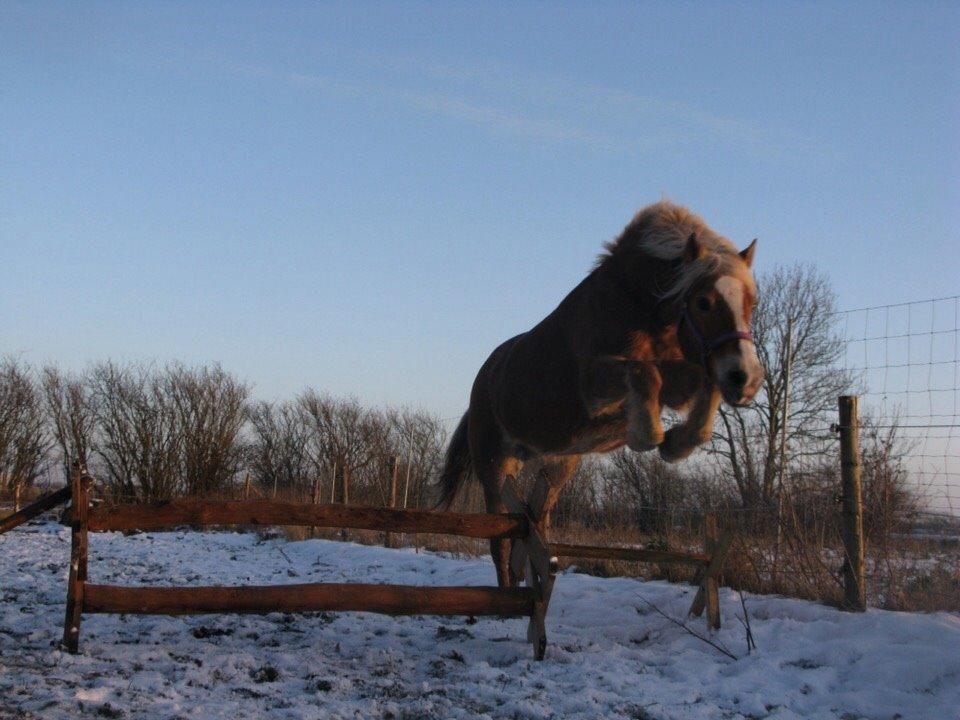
(603, 317)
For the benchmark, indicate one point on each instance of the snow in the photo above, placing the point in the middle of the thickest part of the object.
(610, 655)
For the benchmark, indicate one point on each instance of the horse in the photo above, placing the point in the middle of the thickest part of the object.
(662, 319)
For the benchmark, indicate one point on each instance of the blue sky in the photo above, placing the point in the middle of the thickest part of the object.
(367, 198)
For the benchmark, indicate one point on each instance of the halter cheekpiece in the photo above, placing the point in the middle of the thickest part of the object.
(708, 346)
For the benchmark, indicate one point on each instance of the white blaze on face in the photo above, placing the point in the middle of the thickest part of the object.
(731, 289)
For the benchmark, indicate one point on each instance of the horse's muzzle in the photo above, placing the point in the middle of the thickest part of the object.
(739, 379)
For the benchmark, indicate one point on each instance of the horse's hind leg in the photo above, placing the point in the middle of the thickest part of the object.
(492, 479)
(492, 465)
(551, 477)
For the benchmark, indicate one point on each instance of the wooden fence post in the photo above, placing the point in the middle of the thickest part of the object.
(392, 468)
(80, 486)
(708, 594)
(854, 578)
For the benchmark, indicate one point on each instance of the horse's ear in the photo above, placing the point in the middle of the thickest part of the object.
(747, 253)
(694, 249)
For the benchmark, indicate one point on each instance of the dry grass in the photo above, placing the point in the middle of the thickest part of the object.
(894, 582)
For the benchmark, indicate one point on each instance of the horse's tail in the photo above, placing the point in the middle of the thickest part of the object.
(456, 466)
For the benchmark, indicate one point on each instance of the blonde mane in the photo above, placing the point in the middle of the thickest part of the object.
(660, 231)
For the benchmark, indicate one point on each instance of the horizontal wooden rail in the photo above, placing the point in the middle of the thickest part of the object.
(384, 599)
(48, 501)
(159, 516)
(630, 554)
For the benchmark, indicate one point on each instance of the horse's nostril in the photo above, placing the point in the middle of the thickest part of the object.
(737, 378)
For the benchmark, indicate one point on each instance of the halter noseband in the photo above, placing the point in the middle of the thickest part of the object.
(708, 346)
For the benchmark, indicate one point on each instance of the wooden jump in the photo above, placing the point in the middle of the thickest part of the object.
(531, 558)
(84, 597)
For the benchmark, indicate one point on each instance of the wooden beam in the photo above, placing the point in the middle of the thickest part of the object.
(266, 512)
(384, 599)
(50, 500)
(629, 554)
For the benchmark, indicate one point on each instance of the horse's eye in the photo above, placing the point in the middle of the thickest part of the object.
(703, 303)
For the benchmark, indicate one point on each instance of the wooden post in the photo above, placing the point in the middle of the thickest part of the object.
(17, 486)
(392, 470)
(246, 486)
(406, 482)
(315, 500)
(708, 596)
(80, 486)
(710, 589)
(854, 580)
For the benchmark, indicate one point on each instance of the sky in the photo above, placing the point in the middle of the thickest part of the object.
(367, 198)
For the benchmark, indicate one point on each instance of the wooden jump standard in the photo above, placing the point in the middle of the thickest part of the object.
(531, 558)
(708, 564)
(85, 597)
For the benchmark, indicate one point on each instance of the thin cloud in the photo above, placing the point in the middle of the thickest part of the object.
(532, 107)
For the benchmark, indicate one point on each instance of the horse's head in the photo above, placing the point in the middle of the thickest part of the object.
(715, 324)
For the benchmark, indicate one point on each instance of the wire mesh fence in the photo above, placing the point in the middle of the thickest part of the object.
(906, 356)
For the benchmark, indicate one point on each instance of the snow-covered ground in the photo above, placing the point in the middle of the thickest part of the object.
(610, 655)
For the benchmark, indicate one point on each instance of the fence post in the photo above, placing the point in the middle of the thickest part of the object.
(80, 485)
(854, 579)
(392, 468)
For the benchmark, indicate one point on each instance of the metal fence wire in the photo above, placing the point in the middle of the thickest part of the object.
(907, 362)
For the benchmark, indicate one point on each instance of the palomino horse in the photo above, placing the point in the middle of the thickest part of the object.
(662, 319)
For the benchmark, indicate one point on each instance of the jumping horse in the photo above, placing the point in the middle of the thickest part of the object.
(663, 319)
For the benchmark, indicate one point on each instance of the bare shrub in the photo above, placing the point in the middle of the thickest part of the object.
(139, 443)
(209, 410)
(23, 433)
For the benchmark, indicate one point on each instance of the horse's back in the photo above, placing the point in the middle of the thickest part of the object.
(527, 382)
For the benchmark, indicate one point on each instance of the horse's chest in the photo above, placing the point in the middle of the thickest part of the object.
(642, 345)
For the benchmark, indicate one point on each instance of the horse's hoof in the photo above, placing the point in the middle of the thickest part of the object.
(639, 443)
(674, 448)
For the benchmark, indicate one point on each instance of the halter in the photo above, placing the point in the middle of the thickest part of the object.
(708, 346)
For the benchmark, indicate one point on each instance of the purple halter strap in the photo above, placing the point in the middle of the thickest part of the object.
(708, 346)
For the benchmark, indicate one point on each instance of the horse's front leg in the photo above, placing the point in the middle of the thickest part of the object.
(644, 428)
(681, 440)
(612, 382)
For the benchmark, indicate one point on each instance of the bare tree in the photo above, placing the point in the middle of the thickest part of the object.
(747, 439)
(420, 441)
(646, 488)
(341, 433)
(71, 416)
(23, 434)
(279, 454)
